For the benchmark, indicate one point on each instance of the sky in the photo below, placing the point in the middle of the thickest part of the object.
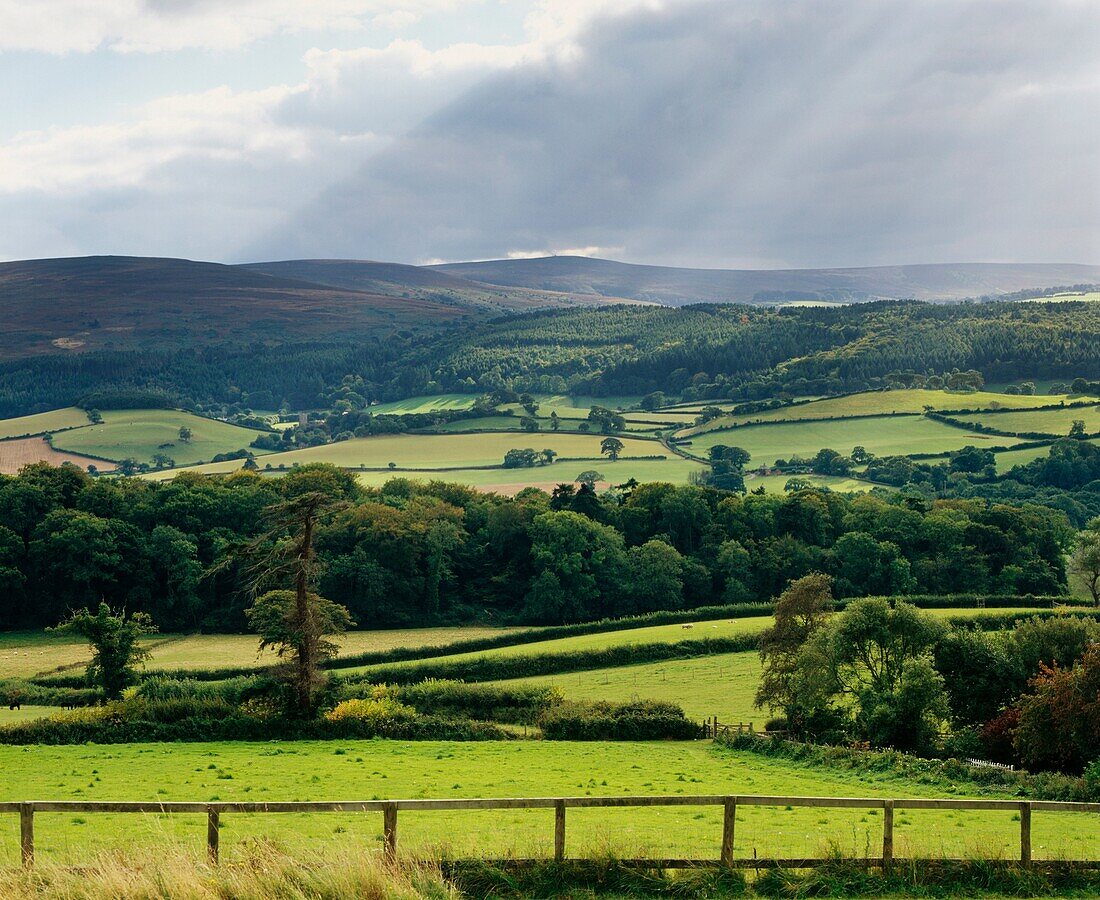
(719, 133)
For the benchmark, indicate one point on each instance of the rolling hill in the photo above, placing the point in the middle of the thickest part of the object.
(118, 302)
(680, 286)
(399, 280)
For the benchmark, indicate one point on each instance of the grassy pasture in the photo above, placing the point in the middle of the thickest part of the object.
(24, 653)
(41, 423)
(140, 433)
(445, 451)
(342, 770)
(886, 436)
(1056, 421)
(872, 403)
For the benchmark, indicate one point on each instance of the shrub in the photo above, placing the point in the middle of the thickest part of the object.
(519, 705)
(635, 721)
(378, 712)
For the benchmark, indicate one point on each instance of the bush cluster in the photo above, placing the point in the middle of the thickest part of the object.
(640, 720)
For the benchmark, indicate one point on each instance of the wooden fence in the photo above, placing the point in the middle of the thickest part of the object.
(729, 803)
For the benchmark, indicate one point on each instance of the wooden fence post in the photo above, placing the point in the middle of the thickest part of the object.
(213, 833)
(389, 830)
(729, 825)
(559, 830)
(887, 834)
(1025, 833)
(26, 833)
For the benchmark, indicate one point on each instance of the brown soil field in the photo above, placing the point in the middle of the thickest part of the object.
(17, 453)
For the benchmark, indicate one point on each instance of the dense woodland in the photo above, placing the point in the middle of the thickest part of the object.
(696, 352)
(410, 554)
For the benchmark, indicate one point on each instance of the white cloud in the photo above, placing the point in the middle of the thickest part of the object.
(216, 124)
(565, 251)
(151, 26)
(753, 133)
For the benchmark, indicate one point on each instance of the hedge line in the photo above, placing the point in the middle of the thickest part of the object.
(242, 728)
(644, 720)
(1041, 786)
(493, 668)
(554, 632)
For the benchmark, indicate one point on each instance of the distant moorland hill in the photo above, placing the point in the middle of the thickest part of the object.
(679, 286)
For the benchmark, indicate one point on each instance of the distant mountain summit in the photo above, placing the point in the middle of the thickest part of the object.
(677, 286)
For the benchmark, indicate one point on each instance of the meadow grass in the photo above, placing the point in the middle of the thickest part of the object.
(41, 423)
(886, 436)
(139, 434)
(871, 403)
(381, 769)
(1056, 421)
(443, 451)
(25, 653)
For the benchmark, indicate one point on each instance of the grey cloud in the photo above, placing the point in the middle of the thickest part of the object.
(755, 133)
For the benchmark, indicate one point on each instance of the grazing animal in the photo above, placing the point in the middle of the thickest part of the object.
(688, 626)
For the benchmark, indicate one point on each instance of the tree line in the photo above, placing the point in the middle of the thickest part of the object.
(412, 553)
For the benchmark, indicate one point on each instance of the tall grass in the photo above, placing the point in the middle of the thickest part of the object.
(264, 871)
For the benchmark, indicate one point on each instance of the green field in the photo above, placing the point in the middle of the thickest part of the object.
(886, 436)
(1055, 422)
(1010, 458)
(429, 403)
(872, 403)
(446, 451)
(721, 685)
(41, 423)
(141, 433)
(25, 653)
(343, 770)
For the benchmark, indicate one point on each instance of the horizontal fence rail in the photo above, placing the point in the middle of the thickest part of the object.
(729, 803)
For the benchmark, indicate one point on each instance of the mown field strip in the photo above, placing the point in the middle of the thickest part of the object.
(366, 770)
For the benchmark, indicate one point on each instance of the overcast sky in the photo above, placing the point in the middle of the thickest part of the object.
(727, 133)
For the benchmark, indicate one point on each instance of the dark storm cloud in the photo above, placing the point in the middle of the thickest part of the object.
(755, 134)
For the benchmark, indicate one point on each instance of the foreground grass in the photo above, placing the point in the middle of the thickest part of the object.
(268, 872)
(345, 770)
